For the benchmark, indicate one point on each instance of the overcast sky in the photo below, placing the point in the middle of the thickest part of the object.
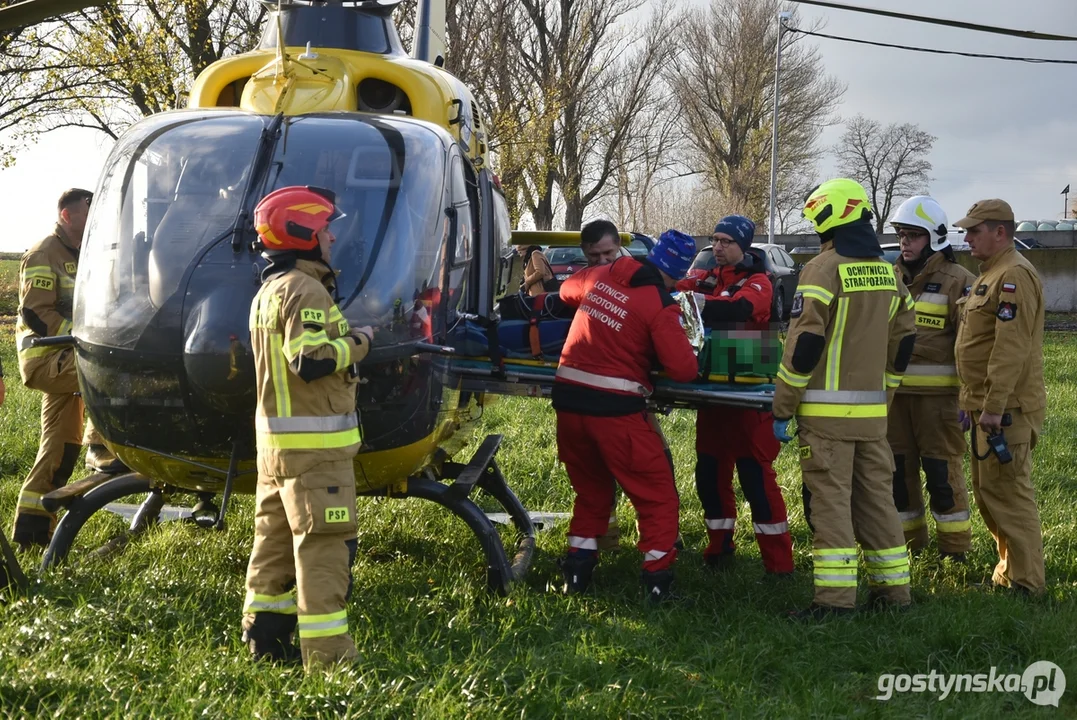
(1004, 129)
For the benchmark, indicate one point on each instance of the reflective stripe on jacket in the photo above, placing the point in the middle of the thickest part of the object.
(936, 289)
(849, 317)
(298, 332)
(46, 298)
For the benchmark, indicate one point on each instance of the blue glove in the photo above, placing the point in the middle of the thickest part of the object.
(964, 420)
(781, 430)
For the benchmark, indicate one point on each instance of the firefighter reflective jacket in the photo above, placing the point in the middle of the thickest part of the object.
(303, 357)
(1000, 339)
(625, 321)
(850, 338)
(735, 293)
(46, 297)
(936, 291)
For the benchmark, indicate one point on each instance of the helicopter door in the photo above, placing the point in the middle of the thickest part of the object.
(494, 233)
(463, 230)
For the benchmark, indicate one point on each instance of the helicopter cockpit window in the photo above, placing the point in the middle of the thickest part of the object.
(169, 189)
(389, 178)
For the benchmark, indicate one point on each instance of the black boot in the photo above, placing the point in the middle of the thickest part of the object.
(270, 638)
(657, 585)
(31, 531)
(957, 557)
(577, 569)
(100, 459)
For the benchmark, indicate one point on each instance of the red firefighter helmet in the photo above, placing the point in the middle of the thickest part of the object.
(289, 217)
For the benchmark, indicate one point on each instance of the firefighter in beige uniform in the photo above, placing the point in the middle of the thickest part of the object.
(46, 298)
(922, 431)
(1000, 363)
(307, 433)
(850, 339)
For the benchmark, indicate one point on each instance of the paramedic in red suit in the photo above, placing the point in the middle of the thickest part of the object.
(738, 291)
(625, 322)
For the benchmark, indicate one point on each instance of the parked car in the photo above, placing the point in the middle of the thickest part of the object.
(566, 260)
(783, 271)
(891, 252)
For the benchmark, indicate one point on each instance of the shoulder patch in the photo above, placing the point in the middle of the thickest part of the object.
(43, 283)
(1007, 311)
(70, 268)
(312, 315)
(1009, 287)
(757, 286)
(798, 305)
(805, 452)
(981, 290)
(933, 287)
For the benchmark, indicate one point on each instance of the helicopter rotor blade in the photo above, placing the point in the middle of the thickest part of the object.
(31, 12)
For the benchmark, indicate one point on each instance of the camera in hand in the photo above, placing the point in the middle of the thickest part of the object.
(1000, 448)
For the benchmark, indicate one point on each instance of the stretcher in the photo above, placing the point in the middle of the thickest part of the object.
(519, 357)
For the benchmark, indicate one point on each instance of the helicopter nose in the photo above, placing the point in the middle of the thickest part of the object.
(216, 351)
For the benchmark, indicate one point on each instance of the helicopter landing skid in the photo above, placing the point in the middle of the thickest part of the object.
(482, 471)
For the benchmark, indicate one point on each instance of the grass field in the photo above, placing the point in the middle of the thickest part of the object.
(153, 632)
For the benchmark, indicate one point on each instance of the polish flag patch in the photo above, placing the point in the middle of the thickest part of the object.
(757, 287)
(1009, 287)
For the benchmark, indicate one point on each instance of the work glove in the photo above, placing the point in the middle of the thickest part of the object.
(964, 420)
(781, 430)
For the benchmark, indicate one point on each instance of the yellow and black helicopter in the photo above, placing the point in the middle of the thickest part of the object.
(170, 264)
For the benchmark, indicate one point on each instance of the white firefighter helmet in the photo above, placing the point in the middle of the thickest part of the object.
(924, 212)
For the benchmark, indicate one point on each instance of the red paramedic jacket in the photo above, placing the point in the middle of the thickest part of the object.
(735, 293)
(625, 321)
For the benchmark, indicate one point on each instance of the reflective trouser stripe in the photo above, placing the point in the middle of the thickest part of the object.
(835, 567)
(582, 543)
(892, 380)
(309, 441)
(770, 528)
(841, 411)
(278, 369)
(952, 522)
(791, 378)
(931, 376)
(889, 566)
(30, 500)
(833, 356)
(283, 604)
(912, 519)
(602, 382)
(720, 523)
(315, 626)
(306, 423)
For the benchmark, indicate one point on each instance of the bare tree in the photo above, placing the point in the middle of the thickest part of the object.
(891, 162)
(793, 188)
(724, 80)
(106, 67)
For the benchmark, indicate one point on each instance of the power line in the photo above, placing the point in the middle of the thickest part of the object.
(935, 51)
(1028, 34)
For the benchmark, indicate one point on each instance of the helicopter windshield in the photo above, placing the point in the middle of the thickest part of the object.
(388, 177)
(170, 187)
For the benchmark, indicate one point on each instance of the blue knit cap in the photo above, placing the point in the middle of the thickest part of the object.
(738, 227)
(674, 253)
